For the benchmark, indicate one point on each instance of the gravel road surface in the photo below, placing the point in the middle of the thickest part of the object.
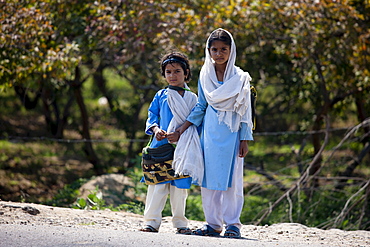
(24, 224)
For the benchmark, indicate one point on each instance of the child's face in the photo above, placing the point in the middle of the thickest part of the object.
(175, 75)
(219, 52)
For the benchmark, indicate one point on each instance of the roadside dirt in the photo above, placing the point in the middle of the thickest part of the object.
(14, 213)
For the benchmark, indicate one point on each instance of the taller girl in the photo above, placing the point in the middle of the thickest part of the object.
(224, 109)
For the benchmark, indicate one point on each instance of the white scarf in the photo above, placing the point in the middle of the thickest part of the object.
(232, 98)
(188, 156)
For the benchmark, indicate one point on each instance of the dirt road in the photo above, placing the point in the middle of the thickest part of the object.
(23, 224)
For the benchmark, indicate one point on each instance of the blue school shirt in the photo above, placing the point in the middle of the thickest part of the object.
(220, 145)
(159, 114)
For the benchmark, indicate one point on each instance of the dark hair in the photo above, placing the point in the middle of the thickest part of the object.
(220, 35)
(176, 57)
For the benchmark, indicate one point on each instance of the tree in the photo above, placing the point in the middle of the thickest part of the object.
(322, 44)
(28, 44)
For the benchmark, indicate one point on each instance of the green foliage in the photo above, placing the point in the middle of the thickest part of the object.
(194, 208)
(94, 201)
(67, 195)
(30, 45)
(136, 175)
(322, 209)
(308, 60)
(253, 205)
(132, 207)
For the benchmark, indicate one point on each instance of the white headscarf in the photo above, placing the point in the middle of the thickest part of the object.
(232, 98)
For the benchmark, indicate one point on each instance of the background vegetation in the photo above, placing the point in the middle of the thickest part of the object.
(77, 77)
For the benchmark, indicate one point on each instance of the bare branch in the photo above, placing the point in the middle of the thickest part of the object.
(267, 175)
(344, 211)
(364, 123)
(305, 178)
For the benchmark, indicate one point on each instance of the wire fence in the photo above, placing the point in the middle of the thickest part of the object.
(42, 138)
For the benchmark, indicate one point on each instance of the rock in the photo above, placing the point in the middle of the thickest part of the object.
(116, 189)
(31, 210)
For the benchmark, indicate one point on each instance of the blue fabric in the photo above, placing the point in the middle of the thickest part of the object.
(219, 144)
(198, 112)
(159, 114)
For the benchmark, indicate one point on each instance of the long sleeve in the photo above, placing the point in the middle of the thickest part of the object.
(159, 114)
(245, 132)
(197, 114)
(153, 115)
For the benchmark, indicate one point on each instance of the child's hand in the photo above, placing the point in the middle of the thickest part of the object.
(183, 127)
(243, 149)
(159, 134)
(173, 136)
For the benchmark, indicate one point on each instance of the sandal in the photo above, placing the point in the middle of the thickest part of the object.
(206, 230)
(184, 230)
(148, 229)
(232, 232)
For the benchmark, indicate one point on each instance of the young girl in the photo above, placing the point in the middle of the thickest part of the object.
(224, 109)
(167, 111)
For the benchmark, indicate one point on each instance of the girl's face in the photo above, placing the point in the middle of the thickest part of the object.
(220, 52)
(175, 75)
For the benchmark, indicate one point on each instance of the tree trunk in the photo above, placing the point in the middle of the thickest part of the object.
(64, 119)
(27, 102)
(89, 150)
(320, 114)
(362, 113)
(51, 111)
(352, 166)
(317, 143)
(129, 122)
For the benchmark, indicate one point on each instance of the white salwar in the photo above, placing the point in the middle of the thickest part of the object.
(230, 201)
(156, 200)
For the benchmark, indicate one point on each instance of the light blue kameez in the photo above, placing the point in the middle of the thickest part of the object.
(219, 144)
(159, 114)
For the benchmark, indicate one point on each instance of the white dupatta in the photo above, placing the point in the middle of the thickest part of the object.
(232, 98)
(188, 156)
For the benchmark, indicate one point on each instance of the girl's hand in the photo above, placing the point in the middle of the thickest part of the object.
(183, 127)
(159, 133)
(173, 136)
(243, 148)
